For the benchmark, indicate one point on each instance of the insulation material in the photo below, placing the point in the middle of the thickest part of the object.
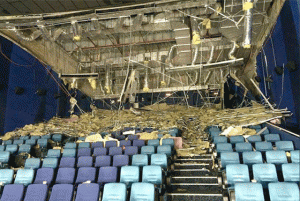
(196, 38)
(207, 23)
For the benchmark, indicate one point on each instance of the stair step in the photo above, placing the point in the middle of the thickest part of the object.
(201, 179)
(191, 166)
(194, 197)
(203, 156)
(193, 172)
(196, 188)
(198, 160)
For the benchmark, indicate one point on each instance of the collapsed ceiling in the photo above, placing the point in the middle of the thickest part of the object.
(136, 47)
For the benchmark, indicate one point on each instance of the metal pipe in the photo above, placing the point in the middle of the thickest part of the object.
(248, 8)
(211, 54)
(76, 31)
(32, 37)
(170, 53)
(195, 55)
(107, 81)
(146, 83)
(232, 50)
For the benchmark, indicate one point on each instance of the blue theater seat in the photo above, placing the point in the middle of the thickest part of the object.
(229, 158)
(7, 142)
(2, 147)
(88, 192)
(129, 175)
(85, 161)
(252, 157)
(254, 138)
(168, 141)
(32, 163)
(26, 137)
(70, 145)
(43, 143)
(138, 143)
(265, 173)
(69, 153)
(284, 191)
(24, 176)
(6, 176)
(237, 173)
(285, 145)
(24, 148)
(12, 148)
(214, 134)
(114, 191)
(220, 139)
(31, 142)
(291, 172)
(120, 160)
(148, 150)
(84, 145)
(133, 137)
(62, 192)
(44, 176)
(295, 156)
(13, 192)
(84, 152)
(57, 137)
(263, 146)
(160, 160)
(86, 174)
(272, 137)
(164, 149)
(53, 153)
(97, 144)
(224, 147)
(50, 163)
(248, 192)
(4, 156)
(35, 137)
(67, 162)
(102, 161)
(154, 143)
(115, 151)
(276, 157)
(237, 139)
(152, 174)
(107, 175)
(100, 151)
(131, 150)
(242, 147)
(125, 143)
(173, 132)
(36, 192)
(18, 142)
(140, 160)
(109, 144)
(255, 127)
(65, 176)
(142, 191)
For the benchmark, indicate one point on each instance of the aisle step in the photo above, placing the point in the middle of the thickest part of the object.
(195, 179)
(191, 166)
(177, 196)
(193, 172)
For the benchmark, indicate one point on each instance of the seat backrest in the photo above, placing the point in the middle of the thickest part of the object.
(133, 137)
(252, 157)
(241, 147)
(42, 142)
(220, 139)
(24, 176)
(35, 137)
(107, 175)
(12, 148)
(148, 150)
(67, 162)
(248, 191)
(86, 174)
(70, 145)
(84, 145)
(57, 137)
(53, 153)
(291, 172)
(84, 152)
(283, 191)
(36, 192)
(44, 176)
(50, 162)
(129, 175)
(62, 192)
(24, 148)
(285, 145)
(7, 142)
(237, 173)
(120, 160)
(131, 150)
(265, 173)
(13, 192)
(224, 147)
(263, 146)
(168, 141)
(140, 160)
(100, 151)
(46, 136)
(164, 149)
(97, 144)
(88, 191)
(159, 159)
(115, 151)
(295, 156)
(142, 191)
(237, 139)
(154, 143)
(32, 163)
(65, 176)
(69, 153)
(4, 156)
(6, 176)
(138, 143)
(272, 137)
(18, 142)
(125, 143)
(109, 144)
(152, 174)
(254, 138)
(276, 157)
(229, 158)
(31, 142)
(102, 161)
(85, 161)
(114, 191)
(2, 147)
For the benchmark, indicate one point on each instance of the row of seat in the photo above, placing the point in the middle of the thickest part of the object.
(100, 161)
(252, 139)
(262, 173)
(262, 146)
(256, 157)
(278, 191)
(128, 175)
(86, 191)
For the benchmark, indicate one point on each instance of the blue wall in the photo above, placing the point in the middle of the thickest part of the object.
(26, 72)
(285, 40)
